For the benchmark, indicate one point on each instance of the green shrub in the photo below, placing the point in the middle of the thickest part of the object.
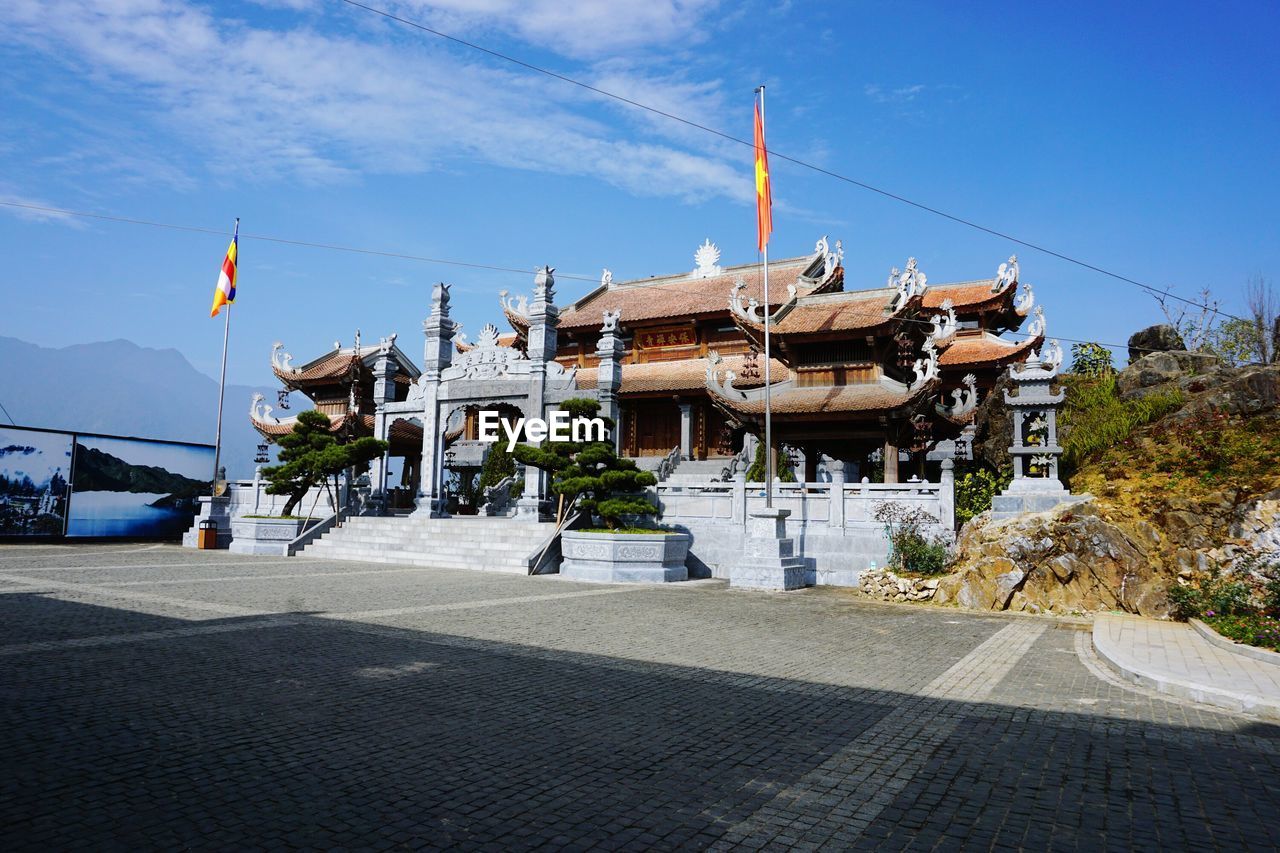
(1185, 602)
(1094, 417)
(1090, 359)
(1213, 595)
(755, 473)
(1253, 629)
(976, 488)
(912, 550)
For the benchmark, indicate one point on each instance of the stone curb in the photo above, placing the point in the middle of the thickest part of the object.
(1255, 652)
(1249, 703)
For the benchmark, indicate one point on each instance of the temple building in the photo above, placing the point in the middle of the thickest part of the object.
(871, 376)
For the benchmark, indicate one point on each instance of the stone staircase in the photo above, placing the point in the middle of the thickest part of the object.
(462, 542)
(692, 472)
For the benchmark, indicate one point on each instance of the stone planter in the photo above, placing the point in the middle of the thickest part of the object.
(265, 535)
(624, 557)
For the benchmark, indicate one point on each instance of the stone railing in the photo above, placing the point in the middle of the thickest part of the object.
(833, 523)
(668, 464)
(833, 503)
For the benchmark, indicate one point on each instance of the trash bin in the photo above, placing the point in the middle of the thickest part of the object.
(207, 537)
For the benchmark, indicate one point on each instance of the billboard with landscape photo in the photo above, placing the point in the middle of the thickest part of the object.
(34, 469)
(136, 488)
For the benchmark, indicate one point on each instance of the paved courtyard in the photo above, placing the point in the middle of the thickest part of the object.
(152, 697)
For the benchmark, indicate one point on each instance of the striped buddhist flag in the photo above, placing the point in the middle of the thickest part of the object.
(225, 292)
(764, 195)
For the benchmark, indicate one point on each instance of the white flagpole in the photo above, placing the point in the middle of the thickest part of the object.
(768, 405)
(222, 380)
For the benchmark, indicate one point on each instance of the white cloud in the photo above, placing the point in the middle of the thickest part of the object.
(582, 28)
(34, 209)
(301, 103)
(900, 95)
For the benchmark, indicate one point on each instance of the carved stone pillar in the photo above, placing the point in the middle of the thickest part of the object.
(384, 391)
(609, 374)
(544, 321)
(686, 430)
(437, 355)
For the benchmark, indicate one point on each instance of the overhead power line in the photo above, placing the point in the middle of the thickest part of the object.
(282, 240)
(777, 155)
(419, 258)
(7, 415)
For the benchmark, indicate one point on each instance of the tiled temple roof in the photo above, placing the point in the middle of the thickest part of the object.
(686, 296)
(688, 374)
(336, 364)
(401, 430)
(985, 349)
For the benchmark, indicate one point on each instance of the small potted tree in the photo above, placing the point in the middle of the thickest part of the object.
(310, 457)
(591, 477)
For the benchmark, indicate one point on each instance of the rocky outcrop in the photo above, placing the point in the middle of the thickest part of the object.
(1072, 559)
(1152, 339)
(1161, 368)
(887, 586)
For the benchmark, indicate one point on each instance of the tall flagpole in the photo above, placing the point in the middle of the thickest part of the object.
(768, 406)
(222, 390)
(222, 380)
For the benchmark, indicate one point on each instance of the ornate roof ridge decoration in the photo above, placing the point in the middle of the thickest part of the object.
(831, 260)
(964, 400)
(707, 259)
(909, 284)
(1006, 275)
(1037, 327)
(1024, 300)
(281, 360)
(752, 311)
(260, 412)
(722, 388)
(926, 368)
(944, 325)
(515, 310)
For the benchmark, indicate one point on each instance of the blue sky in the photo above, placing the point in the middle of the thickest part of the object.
(1140, 137)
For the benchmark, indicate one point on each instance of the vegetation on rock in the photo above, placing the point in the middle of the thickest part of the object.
(604, 484)
(1095, 418)
(976, 485)
(1091, 359)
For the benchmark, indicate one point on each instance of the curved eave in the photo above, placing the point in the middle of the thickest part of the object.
(821, 403)
(985, 351)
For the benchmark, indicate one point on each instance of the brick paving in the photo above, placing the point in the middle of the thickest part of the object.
(161, 698)
(1173, 658)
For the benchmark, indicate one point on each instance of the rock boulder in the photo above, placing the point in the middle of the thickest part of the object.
(1070, 559)
(1152, 339)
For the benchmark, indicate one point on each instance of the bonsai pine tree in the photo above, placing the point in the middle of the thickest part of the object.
(310, 455)
(605, 484)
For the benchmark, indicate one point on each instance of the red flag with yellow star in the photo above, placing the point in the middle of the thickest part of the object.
(764, 196)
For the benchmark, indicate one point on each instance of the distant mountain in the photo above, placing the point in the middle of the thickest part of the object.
(98, 471)
(119, 388)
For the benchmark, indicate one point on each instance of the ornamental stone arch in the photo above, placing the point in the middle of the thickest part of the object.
(487, 375)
